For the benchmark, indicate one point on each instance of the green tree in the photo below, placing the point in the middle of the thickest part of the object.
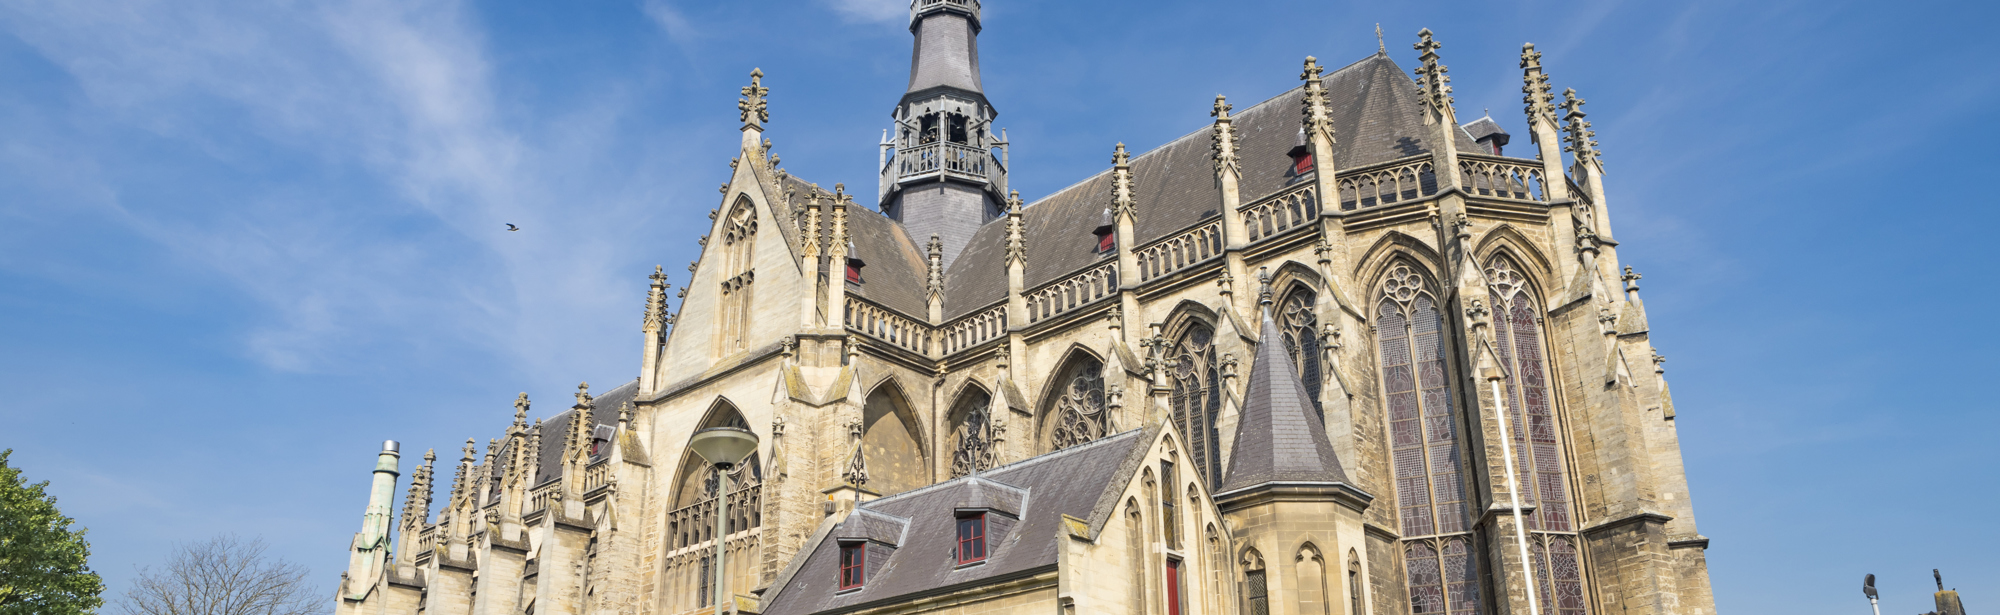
(42, 567)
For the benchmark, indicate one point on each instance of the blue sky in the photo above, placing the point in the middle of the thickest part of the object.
(243, 242)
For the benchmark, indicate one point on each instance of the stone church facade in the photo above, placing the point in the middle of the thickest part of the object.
(1336, 352)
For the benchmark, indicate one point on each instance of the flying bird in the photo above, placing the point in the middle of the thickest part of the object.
(511, 227)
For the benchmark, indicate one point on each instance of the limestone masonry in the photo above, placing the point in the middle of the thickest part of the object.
(1335, 353)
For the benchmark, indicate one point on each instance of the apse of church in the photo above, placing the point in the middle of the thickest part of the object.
(1278, 366)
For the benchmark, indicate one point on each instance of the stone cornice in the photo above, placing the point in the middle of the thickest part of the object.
(1278, 491)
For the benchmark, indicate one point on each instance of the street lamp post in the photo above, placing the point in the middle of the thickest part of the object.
(722, 447)
(1868, 589)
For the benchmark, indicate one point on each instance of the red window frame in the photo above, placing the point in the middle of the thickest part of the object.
(853, 565)
(853, 273)
(1106, 242)
(972, 538)
(1173, 587)
(1302, 164)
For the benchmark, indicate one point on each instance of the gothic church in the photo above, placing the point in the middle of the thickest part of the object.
(1334, 353)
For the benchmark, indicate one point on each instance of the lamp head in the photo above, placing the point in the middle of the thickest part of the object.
(1868, 587)
(724, 446)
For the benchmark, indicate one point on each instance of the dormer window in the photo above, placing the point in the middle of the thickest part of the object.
(853, 565)
(1302, 157)
(854, 266)
(1107, 235)
(971, 538)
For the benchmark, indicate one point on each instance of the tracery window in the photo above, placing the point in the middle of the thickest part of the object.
(972, 439)
(1431, 502)
(1080, 415)
(1256, 588)
(1535, 434)
(739, 234)
(1298, 324)
(1197, 399)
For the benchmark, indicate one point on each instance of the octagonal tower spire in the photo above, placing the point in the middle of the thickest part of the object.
(944, 166)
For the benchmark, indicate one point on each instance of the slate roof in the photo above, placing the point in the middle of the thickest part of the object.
(1376, 118)
(548, 465)
(1075, 481)
(1279, 438)
(1484, 127)
(895, 267)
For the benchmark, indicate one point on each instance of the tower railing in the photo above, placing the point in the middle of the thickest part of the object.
(954, 159)
(919, 7)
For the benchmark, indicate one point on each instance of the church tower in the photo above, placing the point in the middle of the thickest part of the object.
(940, 175)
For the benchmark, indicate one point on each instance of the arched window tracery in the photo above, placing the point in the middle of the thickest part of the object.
(1423, 442)
(1078, 407)
(1298, 324)
(1197, 398)
(739, 234)
(1536, 436)
(972, 434)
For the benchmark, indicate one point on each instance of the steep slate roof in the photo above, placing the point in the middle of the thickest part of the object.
(1278, 438)
(1073, 481)
(1376, 118)
(895, 266)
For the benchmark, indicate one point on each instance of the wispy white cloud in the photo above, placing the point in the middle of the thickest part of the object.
(404, 92)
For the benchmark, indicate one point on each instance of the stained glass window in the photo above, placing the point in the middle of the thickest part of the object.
(1080, 413)
(1423, 443)
(1535, 436)
(1299, 326)
(1197, 399)
(972, 438)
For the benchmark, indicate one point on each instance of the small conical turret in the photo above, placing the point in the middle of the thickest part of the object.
(369, 555)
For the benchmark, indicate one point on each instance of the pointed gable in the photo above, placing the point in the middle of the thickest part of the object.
(1278, 438)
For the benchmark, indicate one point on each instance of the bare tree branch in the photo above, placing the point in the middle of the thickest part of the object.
(225, 575)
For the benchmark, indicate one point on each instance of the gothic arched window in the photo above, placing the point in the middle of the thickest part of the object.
(1535, 434)
(1078, 408)
(1298, 323)
(972, 433)
(739, 234)
(1423, 444)
(1197, 398)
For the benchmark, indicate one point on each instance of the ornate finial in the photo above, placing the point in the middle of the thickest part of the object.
(1122, 204)
(1329, 337)
(1314, 106)
(1462, 225)
(624, 413)
(1586, 239)
(1115, 317)
(1607, 320)
(1476, 315)
(1631, 280)
(752, 107)
(583, 394)
(1000, 356)
(1432, 80)
(1581, 140)
(521, 410)
(470, 453)
(656, 301)
(1225, 283)
(1264, 286)
(1017, 244)
(934, 253)
(1657, 360)
(1229, 365)
(1114, 396)
(1939, 578)
(811, 223)
(1380, 47)
(1535, 87)
(786, 345)
(857, 469)
(1223, 146)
